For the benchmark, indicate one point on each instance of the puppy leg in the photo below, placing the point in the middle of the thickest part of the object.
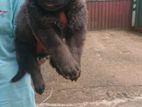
(60, 55)
(27, 62)
(75, 43)
(36, 76)
(76, 29)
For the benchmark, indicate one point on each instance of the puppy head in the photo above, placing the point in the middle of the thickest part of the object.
(52, 5)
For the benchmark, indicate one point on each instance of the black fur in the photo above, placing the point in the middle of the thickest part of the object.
(64, 46)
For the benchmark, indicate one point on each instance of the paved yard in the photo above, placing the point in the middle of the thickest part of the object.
(111, 74)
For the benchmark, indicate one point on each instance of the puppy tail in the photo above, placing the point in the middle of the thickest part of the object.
(18, 76)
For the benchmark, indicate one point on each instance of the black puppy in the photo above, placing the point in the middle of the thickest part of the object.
(54, 28)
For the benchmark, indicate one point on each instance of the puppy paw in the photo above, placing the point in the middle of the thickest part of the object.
(40, 88)
(66, 67)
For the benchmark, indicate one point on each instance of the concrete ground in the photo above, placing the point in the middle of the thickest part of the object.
(111, 74)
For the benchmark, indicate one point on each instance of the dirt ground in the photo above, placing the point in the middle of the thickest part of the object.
(111, 74)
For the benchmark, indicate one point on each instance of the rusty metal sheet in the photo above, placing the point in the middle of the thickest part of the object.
(109, 14)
